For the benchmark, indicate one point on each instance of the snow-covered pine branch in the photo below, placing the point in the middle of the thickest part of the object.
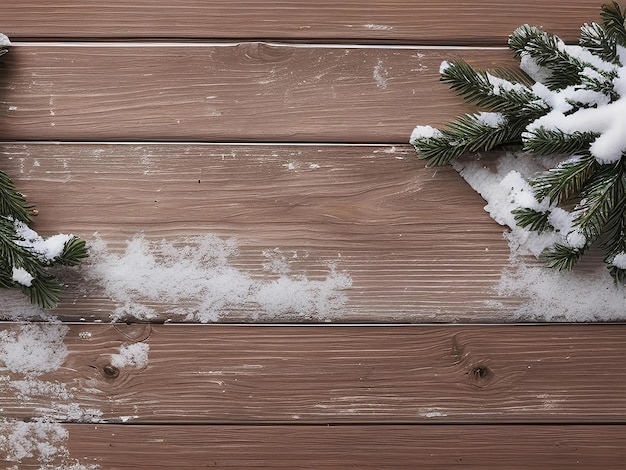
(567, 106)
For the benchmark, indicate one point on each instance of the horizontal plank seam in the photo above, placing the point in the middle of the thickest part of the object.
(231, 43)
(364, 325)
(422, 423)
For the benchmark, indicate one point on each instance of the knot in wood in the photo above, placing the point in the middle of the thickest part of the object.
(111, 371)
(481, 375)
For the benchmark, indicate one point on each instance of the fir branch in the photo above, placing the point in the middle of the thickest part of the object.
(45, 291)
(537, 221)
(603, 195)
(565, 180)
(513, 99)
(544, 141)
(73, 253)
(468, 133)
(549, 51)
(562, 257)
(614, 22)
(594, 38)
(12, 203)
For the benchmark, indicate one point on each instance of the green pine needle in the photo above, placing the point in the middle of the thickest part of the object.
(12, 203)
(513, 99)
(604, 194)
(534, 220)
(561, 257)
(565, 181)
(542, 141)
(614, 23)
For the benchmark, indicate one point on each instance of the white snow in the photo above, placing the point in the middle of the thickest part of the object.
(380, 75)
(33, 348)
(598, 115)
(21, 276)
(443, 67)
(424, 132)
(193, 279)
(499, 85)
(49, 248)
(549, 295)
(491, 119)
(619, 260)
(131, 355)
(4, 40)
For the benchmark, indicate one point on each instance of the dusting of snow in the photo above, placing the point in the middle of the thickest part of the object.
(500, 84)
(131, 355)
(193, 279)
(380, 75)
(378, 27)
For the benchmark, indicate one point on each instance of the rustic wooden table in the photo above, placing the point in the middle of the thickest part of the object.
(285, 125)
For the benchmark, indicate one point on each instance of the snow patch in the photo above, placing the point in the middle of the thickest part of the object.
(380, 75)
(132, 355)
(193, 279)
(548, 295)
(424, 132)
(35, 348)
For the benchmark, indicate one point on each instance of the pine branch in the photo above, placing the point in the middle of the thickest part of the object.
(548, 51)
(594, 38)
(492, 93)
(531, 219)
(468, 133)
(564, 181)
(561, 257)
(45, 291)
(12, 203)
(73, 253)
(614, 22)
(543, 141)
(601, 197)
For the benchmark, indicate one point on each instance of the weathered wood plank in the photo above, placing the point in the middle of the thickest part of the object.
(229, 92)
(335, 374)
(415, 241)
(453, 22)
(339, 447)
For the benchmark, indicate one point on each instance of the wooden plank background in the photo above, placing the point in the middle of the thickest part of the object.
(455, 22)
(285, 125)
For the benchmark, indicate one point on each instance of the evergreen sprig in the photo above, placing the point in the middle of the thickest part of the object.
(584, 182)
(24, 262)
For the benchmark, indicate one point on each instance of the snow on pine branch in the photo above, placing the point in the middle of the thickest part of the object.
(562, 186)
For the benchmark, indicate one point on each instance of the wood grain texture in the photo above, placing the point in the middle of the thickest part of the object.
(340, 447)
(415, 241)
(230, 92)
(452, 22)
(337, 374)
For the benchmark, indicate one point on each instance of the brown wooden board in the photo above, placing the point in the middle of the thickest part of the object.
(333, 374)
(415, 241)
(452, 22)
(340, 447)
(229, 92)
